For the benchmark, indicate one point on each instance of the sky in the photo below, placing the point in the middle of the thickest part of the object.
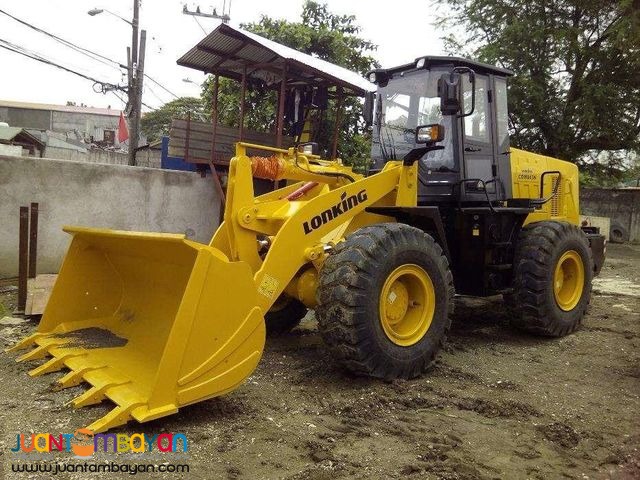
(402, 34)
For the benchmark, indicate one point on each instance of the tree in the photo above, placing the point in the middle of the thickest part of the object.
(576, 86)
(320, 33)
(156, 123)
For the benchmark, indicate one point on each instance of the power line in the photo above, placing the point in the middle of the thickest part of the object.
(152, 91)
(200, 25)
(125, 102)
(36, 56)
(84, 51)
(161, 86)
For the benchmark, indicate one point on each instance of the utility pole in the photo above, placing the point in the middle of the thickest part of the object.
(136, 74)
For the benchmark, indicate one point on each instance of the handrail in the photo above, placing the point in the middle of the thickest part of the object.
(242, 146)
(542, 200)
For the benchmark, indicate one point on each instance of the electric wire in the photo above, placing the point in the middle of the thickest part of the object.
(161, 86)
(200, 25)
(85, 51)
(106, 86)
(152, 92)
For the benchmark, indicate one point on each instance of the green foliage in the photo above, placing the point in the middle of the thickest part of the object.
(155, 124)
(260, 105)
(577, 86)
(334, 38)
(610, 169)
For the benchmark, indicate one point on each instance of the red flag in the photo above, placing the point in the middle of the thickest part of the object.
(123, 130)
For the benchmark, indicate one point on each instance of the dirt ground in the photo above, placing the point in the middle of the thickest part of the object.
(498, 403)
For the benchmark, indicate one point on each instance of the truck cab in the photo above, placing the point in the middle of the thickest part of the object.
(474, 162)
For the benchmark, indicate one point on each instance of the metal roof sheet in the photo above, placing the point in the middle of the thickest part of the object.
(434, 61)
(227, 50)
(60, 108)
(9, 133)
(58, 143)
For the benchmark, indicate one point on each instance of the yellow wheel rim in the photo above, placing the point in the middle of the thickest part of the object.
(407, 305)
(568, 280)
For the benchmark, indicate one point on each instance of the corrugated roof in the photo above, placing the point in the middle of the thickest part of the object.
(228, 50)
(58, 143)
(60, 108)
(9, 133)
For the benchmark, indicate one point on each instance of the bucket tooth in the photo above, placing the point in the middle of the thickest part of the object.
(44, 347)
(37, 353)
(116, 417)
(143, 321)
(93, 396)
(52, 365)
(25, 342)
(74, 378)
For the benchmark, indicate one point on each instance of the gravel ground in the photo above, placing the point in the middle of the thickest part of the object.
(498, 403)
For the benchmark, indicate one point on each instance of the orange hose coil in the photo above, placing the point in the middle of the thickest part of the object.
(269, 168)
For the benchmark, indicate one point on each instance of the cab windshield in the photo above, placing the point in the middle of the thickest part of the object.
(409, 100)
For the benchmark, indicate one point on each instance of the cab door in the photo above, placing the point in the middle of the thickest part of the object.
(478, 140)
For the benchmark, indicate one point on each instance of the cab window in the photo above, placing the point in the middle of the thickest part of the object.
(476, 125)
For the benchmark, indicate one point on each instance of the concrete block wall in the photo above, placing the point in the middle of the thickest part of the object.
(82, 122)
(98, 195)
(145, 158)
(621, 205)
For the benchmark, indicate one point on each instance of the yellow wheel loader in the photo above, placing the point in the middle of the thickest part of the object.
(155, 322)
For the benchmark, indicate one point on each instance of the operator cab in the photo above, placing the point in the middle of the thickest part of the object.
(470, 164)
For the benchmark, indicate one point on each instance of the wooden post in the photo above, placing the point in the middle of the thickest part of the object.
(242, 101)
(334, 150)
(212, 165)
(187, 137)
(33, 240)
(214, 117)
(23, 259)
(281, 99)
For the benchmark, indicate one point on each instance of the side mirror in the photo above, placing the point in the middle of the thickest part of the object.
(472, 80)
(449, 93)
(430, 134)
(367, 112)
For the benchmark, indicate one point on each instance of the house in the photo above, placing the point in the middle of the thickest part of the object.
(19, 142)
(87, 124)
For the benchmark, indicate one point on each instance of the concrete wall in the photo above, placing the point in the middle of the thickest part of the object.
(59, 121)
(15, 150)
(26, 118)
(82, 122)
(97, 195)
(621, 205)
(145, 158)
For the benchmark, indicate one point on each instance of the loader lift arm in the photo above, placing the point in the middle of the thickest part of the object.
(154, 322)
(300, 230)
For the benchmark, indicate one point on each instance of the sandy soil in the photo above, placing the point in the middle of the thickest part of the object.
(498, 404)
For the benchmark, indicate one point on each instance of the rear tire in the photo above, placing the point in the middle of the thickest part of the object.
(552, 278)
(385, 301)
(285, 314)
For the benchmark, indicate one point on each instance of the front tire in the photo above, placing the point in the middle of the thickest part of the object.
(552, 278)
(285, 314)
(385, 301)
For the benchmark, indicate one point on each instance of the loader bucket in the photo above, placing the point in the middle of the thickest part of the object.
(151, 322)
